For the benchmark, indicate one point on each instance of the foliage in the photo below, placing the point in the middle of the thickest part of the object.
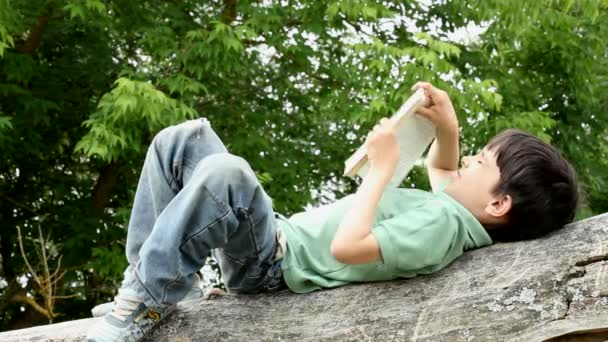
(552, 66)
(292, 86)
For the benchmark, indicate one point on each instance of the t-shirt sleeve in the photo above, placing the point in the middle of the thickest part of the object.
(418, 238)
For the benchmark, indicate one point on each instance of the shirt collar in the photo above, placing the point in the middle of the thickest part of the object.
(477, 233)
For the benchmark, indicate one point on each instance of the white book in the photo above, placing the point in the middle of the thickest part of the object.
(414, 133)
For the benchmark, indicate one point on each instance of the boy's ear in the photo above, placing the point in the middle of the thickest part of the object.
(500, 206)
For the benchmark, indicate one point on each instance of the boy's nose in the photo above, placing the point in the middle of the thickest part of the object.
(465, 161)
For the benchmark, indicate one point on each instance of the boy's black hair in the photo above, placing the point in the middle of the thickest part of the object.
(543, 186)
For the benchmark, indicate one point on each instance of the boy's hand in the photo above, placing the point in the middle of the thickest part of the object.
(439, 110)
(383, 148)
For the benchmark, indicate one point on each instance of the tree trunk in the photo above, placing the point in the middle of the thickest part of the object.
(34, 38)
(102, 192)
(555, 288)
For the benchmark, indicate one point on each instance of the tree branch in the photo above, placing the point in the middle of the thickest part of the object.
(20, 205)
(229, 11)
(54, 275)
(358, 28)
(66, 297)
(34, 39)
(30, 301)
(27, 263)
(47, 290)
(58, 279)
(108, 176)
(293, 22)
(48, 283)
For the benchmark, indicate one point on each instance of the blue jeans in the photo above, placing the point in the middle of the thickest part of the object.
(193, 197)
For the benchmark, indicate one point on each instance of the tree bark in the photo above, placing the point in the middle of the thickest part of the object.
(229, 11)
(102, 192)
(554, 288)
(34, 39)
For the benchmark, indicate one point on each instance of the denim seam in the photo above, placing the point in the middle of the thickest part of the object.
(189, 238)
(251, 233)
(232, 259)
(221, 218)
(143, 286)
(158, 153)
(216, 199)
(177, 174)
(187, 162)
(221, 205)
(179, 276)
(252, 236)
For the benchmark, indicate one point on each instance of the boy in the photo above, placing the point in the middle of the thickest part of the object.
(193, 197)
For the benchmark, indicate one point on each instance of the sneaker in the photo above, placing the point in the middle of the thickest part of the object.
(129, 320)
(195, 292)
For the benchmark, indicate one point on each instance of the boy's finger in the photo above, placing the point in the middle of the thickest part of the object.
(431, 92)
(425, 85)
(388, 123)
(425, 112)
(368, 137)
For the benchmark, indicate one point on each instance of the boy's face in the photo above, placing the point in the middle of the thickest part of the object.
(473, 187)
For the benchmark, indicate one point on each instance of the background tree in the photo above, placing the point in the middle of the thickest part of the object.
(292, 86)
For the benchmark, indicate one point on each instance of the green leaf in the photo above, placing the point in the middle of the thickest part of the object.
(95, 5)
(369, 12)
(75, 10)
(5, 123)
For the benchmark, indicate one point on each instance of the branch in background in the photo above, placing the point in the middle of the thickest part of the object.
(251, 42)
(108, 176)
(31, 302)
(10, 291)
(20, 205)
(358, 28)
(25, 259)
(47, 282)
(293, 22)
(229, 11)
(47, 290)
(34, 39)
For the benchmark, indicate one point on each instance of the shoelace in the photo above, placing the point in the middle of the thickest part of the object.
(124, 305)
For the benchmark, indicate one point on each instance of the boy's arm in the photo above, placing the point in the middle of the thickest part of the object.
(354, 242)
(438, 161)
(442, 159)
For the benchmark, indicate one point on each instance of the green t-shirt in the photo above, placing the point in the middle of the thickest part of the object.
(418, 232)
